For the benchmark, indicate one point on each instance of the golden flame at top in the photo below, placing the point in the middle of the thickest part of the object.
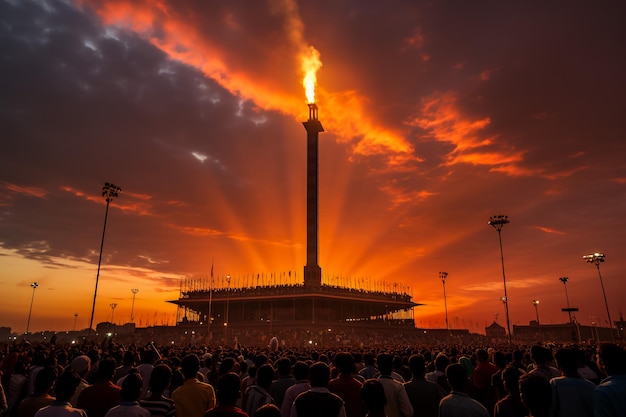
(310, 64)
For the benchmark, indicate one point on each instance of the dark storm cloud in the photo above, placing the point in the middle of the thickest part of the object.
(83, 104)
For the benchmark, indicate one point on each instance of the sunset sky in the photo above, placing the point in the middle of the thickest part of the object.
(437, 115)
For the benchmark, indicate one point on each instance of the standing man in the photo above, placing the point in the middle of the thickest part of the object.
(193, 398)
(458, 403)
(609, 398)
(318, 401)
(398, 404)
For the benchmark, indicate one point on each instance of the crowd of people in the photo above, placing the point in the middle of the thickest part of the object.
(111, 379)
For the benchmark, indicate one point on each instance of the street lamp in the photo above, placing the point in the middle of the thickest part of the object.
(109, 192)
(443, 276)
(536, 304)
(30, 312)
(596, 258)
(75, 317)
(112, 305)
(132, 308)
(498, 222)
(227, 308)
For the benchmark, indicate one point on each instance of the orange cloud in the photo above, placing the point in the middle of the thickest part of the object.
(273, 83)
(140, 207)
(549, 230)
(441, 118)
(30, 191)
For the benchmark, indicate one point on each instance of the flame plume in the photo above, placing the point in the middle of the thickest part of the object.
(310, 64)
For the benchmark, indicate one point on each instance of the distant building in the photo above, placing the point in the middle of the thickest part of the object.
(495, 332)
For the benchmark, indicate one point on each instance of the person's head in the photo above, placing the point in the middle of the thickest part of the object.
(267, 410)
(265, 375)
(536, 394)
(368, 359)
(482, 355)
(539, 354)
(44, 379)
(612, 358)
(510, 379)
(283, 366)
(147, 355)
(301, 370)
(128, 359)
(417, 365)
(319, 374)
(456, 376)
(567, 362)
(227, 365)
(190, 366)
(66, 385)
(373, 396)
(131, 387)
(344, 362)
(385, 363)
(106, 369)
(441, 362)
(228, 389)
(160, 378)
(499, 359)
(81, 365)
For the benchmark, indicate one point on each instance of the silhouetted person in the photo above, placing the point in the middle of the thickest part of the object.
(541, 357)
(301, 373)
(423, 395)
(398, 404)
(228, 392)
(346, 386)
(373, 397)
(458, 403)
(64, 389)
(41, 397)
(609, 398)
(157, 403)
(536, 394)
(258, 394)
(193, 398)
(102, 395)
(284, 381)
(482, 379)
(131, 392)
(572, 396)
(318, 401)
(511, 404)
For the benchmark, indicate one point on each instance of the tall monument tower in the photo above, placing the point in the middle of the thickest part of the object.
(312, 270)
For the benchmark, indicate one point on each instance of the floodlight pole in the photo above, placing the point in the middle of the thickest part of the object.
(32, 299)
(443, 276)
(596, 258)
(536, 304)
(569, 312)
(498, 222)
(132, 308)
(109, 192)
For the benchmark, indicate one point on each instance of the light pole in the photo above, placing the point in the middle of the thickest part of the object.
(596, 258)
(75, 317)
(109, 192)
(113, 306)
(536, 304)
(498, 222)
(30, 312)
(132, 307)
(227, 308)
(569, 311)
(443, 276)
